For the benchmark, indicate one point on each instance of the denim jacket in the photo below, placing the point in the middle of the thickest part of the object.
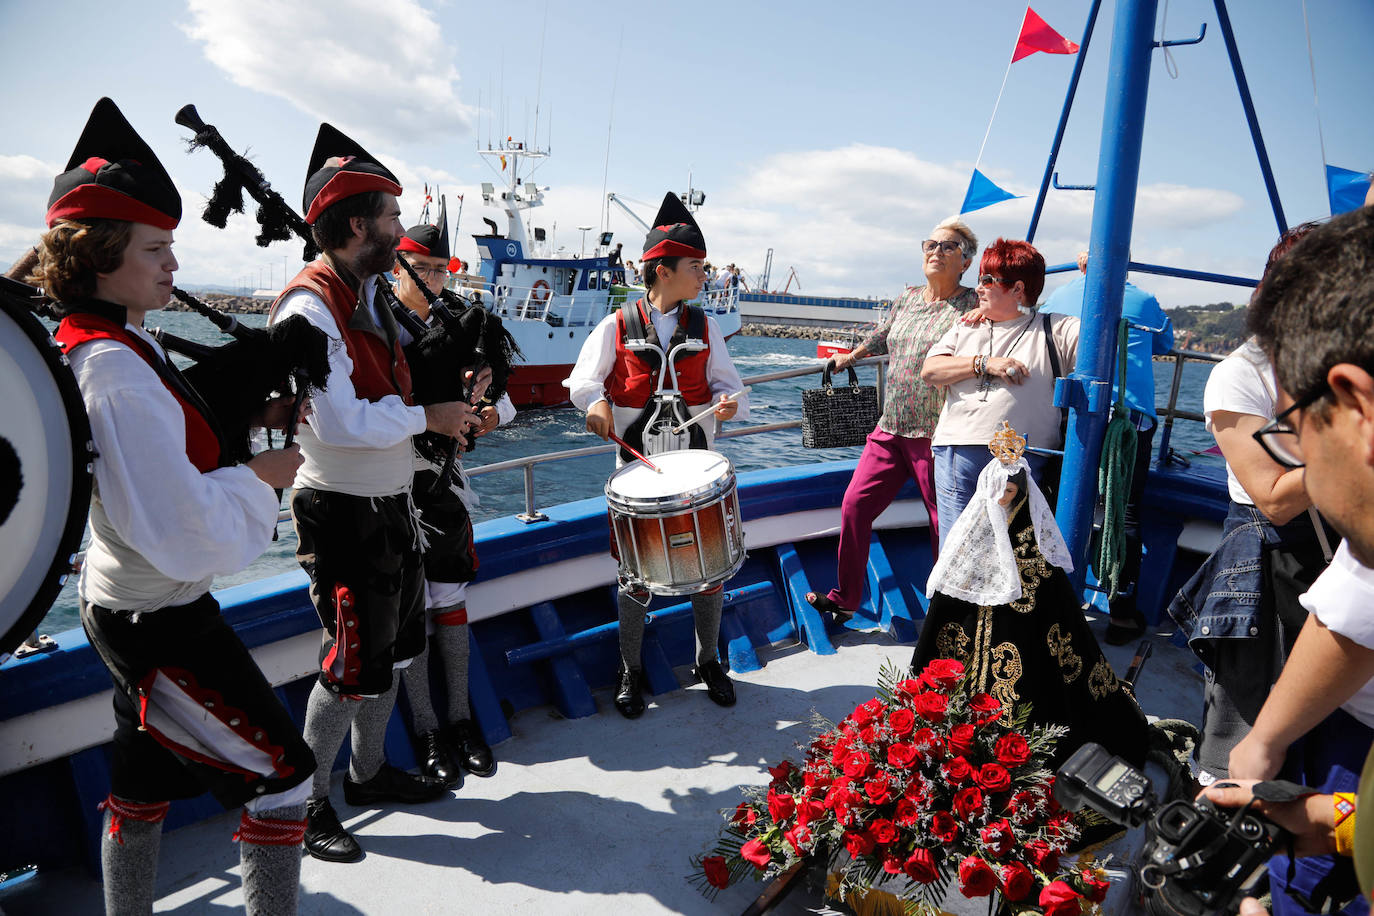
(1222, 600)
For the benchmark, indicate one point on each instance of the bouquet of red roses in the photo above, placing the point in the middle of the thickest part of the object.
(926, 784)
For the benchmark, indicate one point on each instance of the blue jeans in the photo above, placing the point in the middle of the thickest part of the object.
(956, 479)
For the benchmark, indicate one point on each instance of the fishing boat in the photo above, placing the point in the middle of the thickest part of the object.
(601, 813)
(549, 298)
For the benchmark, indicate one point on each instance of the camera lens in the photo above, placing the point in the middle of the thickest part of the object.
(1251, 829)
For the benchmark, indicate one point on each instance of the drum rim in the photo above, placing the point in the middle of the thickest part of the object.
(82, 477)
(696, 497)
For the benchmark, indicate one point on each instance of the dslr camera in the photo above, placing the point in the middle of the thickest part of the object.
(1197, 860)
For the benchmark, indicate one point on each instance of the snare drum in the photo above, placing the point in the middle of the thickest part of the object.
(678, 532)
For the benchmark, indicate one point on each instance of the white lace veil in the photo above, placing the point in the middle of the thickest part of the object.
(977, 564)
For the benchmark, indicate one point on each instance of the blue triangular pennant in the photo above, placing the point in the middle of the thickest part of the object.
(983, 193)
(1345, 189)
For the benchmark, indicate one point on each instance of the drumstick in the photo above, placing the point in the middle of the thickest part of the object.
(710, 410)
(627, 447)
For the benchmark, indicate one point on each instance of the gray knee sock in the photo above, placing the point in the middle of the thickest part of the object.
(271, 870)
(416, 679)
(128, 859)
(369, 734)
(453, 649)
(631, 630)
(327, 718)
(706, 617)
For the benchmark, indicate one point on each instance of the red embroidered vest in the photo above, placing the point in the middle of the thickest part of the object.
(202, 446)
(378, 370)
(635, 373)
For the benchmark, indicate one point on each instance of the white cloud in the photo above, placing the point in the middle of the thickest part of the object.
(372, 69)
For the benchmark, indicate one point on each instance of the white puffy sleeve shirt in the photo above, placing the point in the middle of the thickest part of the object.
(161, 529)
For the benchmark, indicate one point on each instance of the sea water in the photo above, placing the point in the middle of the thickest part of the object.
(539, 431)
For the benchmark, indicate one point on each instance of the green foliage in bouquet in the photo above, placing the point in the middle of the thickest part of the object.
(925, 786)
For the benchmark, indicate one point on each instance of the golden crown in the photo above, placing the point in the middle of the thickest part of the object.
(1007, 445)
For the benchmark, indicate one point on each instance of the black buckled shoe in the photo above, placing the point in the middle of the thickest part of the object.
(718, 685)
(325, 837)
(435, 761)
(471, 748)
(392, 785)
(629, 692)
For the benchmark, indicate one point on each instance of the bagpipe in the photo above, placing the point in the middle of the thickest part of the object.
(465, 337)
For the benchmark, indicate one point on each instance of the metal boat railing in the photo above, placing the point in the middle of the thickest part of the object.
(1171, 412)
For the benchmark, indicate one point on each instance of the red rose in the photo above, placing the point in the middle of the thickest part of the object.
(944, 827)
(997, 837)
(901, 756)
(869, 734)
(961, 739)
(967, 802)
(920, 866)
(1017, 881)
(781, 772)
(930, 706)
(892, 865)
(1012, 750)
(1058, 899)
(882, 831)
(798, 837)
(780, 807)
(993, 777)
(808, 811)
(841, 752)
(1060, 824)
(717, 875)
(816, 779)
(901, 722)
(755, 853)
(745, 815)
(928, 744)
(1043, 856)
(858, 844)
(877, 791)
(907, 812)
(857, 765)
(957, 770)
(987, 707)
(943, 673)
(1094, 888)
(1023, 807)
(866, 712)
(976, 878)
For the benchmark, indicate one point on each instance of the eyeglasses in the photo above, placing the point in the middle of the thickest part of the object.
(988, 279)
(929, 245)
(1280, 440)
(440, 271)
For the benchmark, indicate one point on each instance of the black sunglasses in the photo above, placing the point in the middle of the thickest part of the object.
(1279, 439)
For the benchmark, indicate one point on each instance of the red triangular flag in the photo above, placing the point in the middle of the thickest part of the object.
(1036, 35)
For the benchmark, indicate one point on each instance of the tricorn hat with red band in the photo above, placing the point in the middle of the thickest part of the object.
(675, 233)
(113, 174)
(339, 169)
(429, 240)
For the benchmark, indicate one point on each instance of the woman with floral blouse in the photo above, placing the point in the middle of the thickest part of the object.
(899, 448)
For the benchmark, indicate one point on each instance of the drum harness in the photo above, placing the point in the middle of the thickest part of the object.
(652, 430)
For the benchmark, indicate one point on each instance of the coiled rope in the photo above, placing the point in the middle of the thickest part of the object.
(1114, 474)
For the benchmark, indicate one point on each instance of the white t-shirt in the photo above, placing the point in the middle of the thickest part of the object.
(1241, 383)
(1342, 598)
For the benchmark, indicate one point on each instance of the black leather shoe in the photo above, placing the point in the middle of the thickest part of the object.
(1124, 627)
(325, 837)
(392, 785)
(718, 686)
(435, 761)
(471, 748)
(629, 692)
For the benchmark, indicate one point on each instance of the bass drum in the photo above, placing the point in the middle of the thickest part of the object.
(46, 470)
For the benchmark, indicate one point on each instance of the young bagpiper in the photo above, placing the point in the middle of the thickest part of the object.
(359, 538)
(192, 710)
(620, 381)
(450, 558)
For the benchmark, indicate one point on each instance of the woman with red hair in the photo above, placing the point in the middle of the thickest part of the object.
(1001, 369)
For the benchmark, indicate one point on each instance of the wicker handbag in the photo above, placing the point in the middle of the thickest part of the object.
(838, 416)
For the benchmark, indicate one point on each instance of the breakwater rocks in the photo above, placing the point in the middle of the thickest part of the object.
(238, 305)
(800, 332)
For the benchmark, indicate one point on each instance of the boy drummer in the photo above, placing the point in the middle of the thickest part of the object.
(621, 382)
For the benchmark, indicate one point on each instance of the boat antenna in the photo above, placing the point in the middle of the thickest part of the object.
(610, 117)
(539, 81)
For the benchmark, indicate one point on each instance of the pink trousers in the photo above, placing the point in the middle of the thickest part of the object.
(886, 463)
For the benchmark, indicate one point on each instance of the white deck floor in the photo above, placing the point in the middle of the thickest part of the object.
(597, 815)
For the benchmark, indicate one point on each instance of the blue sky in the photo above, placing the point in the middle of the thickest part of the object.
(835, 137)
